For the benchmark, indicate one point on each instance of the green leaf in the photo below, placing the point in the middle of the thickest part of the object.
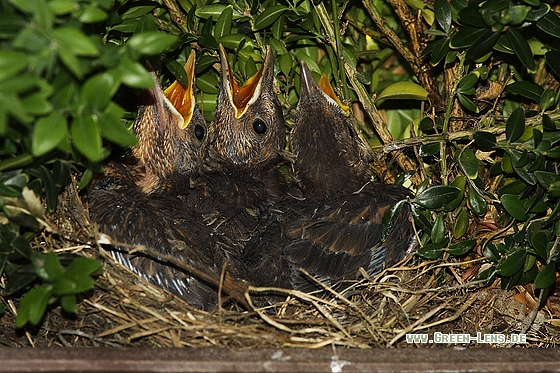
(469, 162)
(439, 51)
(68, 303)
(443, 14)
(526, 89)
(92, 14)
(33, 306)
(64, 286)
(460, 182)
(232, 41)
(438, 230)
(214, 11)
(430, 251)
(402, 91)
(223, 24)
(546, 277)
(268, 16)
(484, 140)
(466, 37)
(521, 48)
(436, 197)
(98, 90)
(546, 178)
(539, 241)
(52, 266)
(113, 127)
(49, 131)
(391, 218)
(11, 63)
(151, 43)
(467, 83)
(461, 248)
(137, 11)
(467, 103)
(134, 75)
(550, 24)
(552, 59)
(461, 224)
(512, 264)
(86, 138)
(83, 266)
(514, 206)
(515, 124)
(75, 42)
(476, 203)
(482, 45)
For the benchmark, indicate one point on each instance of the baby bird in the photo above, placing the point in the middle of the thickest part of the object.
(239, 180)
(131, 205)
(340, 224)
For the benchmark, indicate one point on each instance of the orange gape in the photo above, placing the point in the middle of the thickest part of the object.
(181, 97)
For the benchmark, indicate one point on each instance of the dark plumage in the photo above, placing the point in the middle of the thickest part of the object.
(239, 182)
(339, 229)
(130, 203)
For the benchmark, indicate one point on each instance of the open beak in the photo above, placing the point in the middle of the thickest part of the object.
(181, 97)
(309, 86)
(242, 97)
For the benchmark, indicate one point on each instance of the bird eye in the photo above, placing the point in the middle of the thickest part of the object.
(259, 126)
(199, 131)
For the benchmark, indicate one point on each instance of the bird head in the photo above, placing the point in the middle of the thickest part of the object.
(330, 156)
(248, 130)
(170, 130)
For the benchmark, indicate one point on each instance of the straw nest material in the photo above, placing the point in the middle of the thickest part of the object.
(411, 298)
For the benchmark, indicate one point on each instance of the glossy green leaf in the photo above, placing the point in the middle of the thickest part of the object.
(268, 16)
(521, 48)
(438, 230)
(52, 266)
(466, 37)
(68, 303)
(98, 90)
(86, 138)
(133, 74)
(484, 140)
(469, 163)
(546, 178)
(461, 223)
(482, 45)
(75, 42)
(546, 277)
(442, 11)
(439, 51)
(430, 251)
(476, 203)
(467, 83)
(214, 11)
(137, 11)
(436, 197)
(553, 61)
(48, 133)
(11, 63)
(539, 242)
(403, 91)
(33, 306)
(550, 24)
(223, 24)
(514, 206)
(526, 89)
(232, 41)
(515, 124)
(151, 43)
(92, 14)
(113, 128)
(460, 182)
(461, 247)
(512, 264)
(391, 218)
(467, 103)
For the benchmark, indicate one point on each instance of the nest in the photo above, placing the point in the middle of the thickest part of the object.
(414, 297)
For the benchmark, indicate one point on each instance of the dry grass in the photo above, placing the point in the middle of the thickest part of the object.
(413, 297)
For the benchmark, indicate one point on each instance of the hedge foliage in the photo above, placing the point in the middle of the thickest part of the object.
(461, 99)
